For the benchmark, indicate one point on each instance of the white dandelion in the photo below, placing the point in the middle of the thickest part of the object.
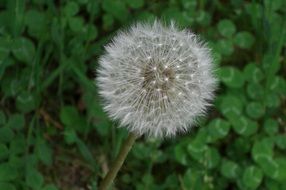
(156, 79)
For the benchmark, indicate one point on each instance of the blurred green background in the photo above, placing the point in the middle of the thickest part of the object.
(55, 136)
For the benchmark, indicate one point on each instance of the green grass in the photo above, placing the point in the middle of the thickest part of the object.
(54, 134)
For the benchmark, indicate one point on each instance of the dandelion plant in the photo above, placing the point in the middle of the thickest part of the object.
(155, 80)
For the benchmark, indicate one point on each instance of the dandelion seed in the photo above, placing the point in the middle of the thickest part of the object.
(152, 101)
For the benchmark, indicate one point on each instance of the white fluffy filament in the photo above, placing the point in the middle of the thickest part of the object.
(156, 79)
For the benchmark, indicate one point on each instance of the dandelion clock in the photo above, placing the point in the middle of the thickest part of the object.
(156, 80)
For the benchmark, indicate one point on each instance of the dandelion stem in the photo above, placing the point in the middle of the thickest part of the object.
(125, 148)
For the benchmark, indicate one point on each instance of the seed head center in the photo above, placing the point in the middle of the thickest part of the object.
(158, 77)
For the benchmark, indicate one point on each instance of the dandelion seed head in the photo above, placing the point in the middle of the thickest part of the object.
(156, 79)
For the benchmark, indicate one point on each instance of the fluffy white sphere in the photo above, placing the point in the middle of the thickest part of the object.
(156, 79)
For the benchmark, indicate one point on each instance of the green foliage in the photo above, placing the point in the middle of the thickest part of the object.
(226, 28)
(244, 40)
(252, 177)
(229, 169)
(54, 134)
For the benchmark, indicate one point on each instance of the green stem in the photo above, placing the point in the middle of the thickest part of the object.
(125, 148)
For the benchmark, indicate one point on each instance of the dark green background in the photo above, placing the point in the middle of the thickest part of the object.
(55, 136)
